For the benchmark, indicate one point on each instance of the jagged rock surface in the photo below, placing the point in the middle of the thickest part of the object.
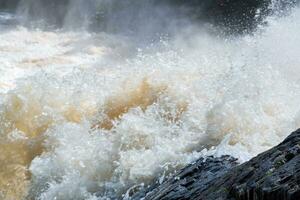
(272, 175)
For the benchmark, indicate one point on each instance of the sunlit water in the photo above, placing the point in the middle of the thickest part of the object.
(90, 115)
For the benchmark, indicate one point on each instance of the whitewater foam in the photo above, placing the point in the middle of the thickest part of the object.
(89, 115)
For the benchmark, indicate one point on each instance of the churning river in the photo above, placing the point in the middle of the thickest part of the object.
(87, 115)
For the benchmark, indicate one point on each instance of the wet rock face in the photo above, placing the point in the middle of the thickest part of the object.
(272, 175)
(191, 180)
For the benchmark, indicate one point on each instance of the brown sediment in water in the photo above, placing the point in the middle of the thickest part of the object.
(40, 62)
(24, 122)
(16, 154)
(27, 121)
(15, 158)
(143, 96)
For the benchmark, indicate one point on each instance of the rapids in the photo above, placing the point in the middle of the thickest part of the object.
(93, 115)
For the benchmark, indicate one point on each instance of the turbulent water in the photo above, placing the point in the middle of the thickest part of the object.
(94, 115)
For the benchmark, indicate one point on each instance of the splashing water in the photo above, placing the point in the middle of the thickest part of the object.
(89, 115)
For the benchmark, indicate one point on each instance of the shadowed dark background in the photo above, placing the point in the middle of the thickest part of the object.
(233, 16)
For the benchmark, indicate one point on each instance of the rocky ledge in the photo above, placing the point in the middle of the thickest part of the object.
(272, 175)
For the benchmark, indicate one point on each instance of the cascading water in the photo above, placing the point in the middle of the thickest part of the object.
(99, 96)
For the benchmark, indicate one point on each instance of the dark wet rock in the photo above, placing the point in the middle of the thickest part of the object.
(272, 175)
(191, 179)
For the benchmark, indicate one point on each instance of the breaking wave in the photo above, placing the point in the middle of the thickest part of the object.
(93, 115)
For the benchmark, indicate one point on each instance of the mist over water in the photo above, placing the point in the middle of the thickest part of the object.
(103, 97)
